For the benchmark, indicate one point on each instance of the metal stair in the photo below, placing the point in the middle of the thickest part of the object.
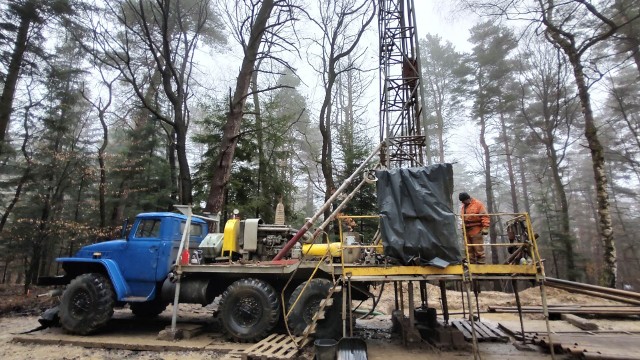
(319, 315)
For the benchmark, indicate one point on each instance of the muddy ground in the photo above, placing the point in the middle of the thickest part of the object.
(19, 313)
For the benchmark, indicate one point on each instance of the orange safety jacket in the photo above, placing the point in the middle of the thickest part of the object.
(474, 207)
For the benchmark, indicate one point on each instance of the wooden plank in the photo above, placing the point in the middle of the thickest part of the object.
(310, 329)
(325, 302)
(275, 347)
(261, 343)
(463, 329)
(484, 331)
(579, 322)
(480, 334)
(494, 331)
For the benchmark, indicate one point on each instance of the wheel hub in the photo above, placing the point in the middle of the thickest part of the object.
(247, 311)
(81, 303)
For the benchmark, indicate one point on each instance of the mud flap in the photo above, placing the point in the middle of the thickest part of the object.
(351, 349)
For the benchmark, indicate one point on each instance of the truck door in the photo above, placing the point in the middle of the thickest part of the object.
(143, 246)
(170, 253)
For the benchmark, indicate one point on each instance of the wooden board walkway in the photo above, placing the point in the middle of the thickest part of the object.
(484, 331)
(275, 347)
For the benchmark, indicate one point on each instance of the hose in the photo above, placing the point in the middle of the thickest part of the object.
(375, 304)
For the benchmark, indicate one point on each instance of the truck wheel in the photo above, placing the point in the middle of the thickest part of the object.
(148, 309)
(248, 310)
(307, 305)
(87, 304)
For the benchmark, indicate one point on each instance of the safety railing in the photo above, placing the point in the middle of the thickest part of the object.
(520, 240)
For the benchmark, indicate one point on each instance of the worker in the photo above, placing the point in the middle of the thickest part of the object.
(475, 226)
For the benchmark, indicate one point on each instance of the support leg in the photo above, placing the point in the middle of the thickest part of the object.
(423, 295)
(395, 293)
(476, 291)
(443, 297)
(344, 312)
(545, 310)
(411, 305)
(514, 285)
(474, 343)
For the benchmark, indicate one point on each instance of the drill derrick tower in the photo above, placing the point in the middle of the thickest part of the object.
(402, 118)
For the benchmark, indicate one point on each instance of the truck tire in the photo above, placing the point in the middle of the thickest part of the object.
(148, 309)
(248, 310)
(302, 314)
(87, 304)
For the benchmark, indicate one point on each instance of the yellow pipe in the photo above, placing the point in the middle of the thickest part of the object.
(316, 250)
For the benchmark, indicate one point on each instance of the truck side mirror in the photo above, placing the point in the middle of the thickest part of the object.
(123, 233)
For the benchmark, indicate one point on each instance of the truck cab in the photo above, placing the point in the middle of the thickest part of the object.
(130, 270)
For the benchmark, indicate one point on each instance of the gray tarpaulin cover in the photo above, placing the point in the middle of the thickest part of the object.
(418, 223)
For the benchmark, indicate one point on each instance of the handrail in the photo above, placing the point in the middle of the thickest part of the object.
(530, 242)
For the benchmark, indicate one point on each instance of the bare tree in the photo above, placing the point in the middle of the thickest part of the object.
(342, 24)
(560, 30)
(157, 37)
(278, 39)
(101, 106)
(549, 111)
(258, 21)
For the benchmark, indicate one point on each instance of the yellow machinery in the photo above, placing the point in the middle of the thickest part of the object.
(230, 242)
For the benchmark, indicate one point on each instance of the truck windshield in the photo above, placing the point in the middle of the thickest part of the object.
(148, 228)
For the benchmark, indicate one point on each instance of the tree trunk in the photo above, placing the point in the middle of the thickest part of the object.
(140, 121)
(13, 71)
(103, 185)
(326, 160)
(561, 197)
(566, 41)
(512, 178)
(524, 183)
(489, 193)
(440, 131)
(609, 273)
(231, 129)
(180, 128)
(41, 237)
(259, 136)
(173, 171)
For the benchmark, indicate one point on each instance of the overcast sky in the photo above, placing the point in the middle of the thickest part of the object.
(438, 17)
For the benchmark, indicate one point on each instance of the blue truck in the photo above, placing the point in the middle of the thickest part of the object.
(140, 270)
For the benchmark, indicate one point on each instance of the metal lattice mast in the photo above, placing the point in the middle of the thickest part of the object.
(401, 99)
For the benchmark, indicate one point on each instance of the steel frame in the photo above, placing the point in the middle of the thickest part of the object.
(401, 94)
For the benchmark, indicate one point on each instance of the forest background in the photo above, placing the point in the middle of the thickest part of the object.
(111, 108)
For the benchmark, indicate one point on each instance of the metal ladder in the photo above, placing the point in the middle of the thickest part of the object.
(319, 315)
